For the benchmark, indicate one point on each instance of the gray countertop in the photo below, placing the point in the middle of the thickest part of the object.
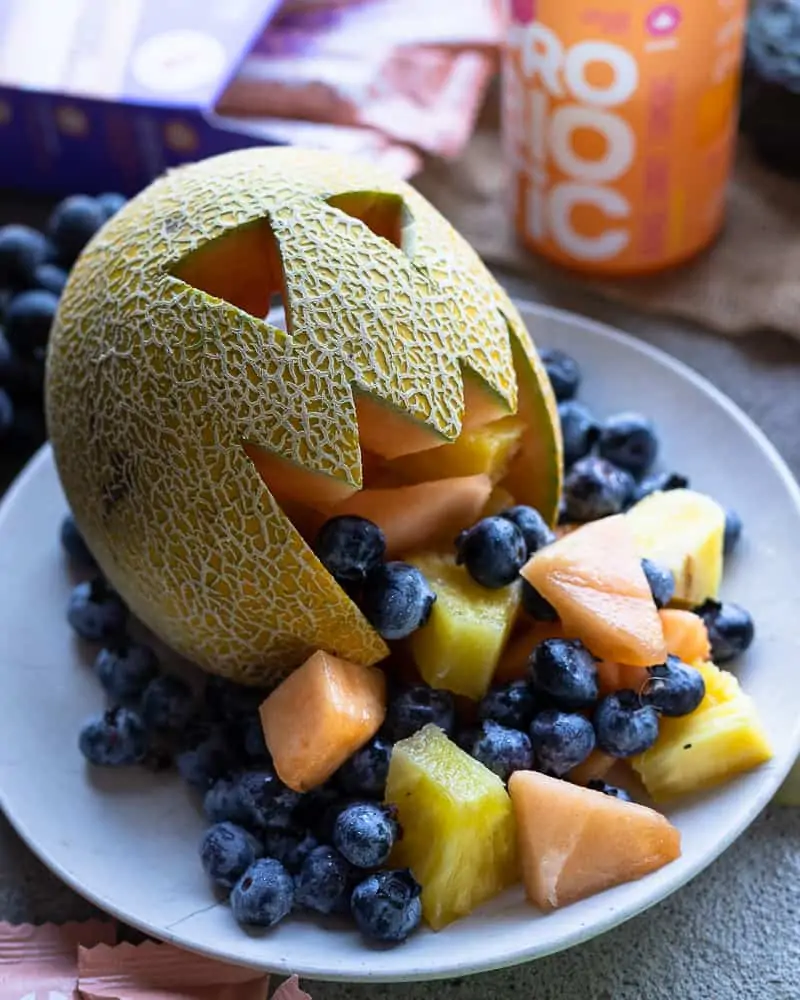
(731, 934)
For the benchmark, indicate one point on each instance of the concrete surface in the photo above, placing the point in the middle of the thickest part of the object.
(734, 932)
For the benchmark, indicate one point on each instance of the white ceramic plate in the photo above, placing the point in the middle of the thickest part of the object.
(128, 841)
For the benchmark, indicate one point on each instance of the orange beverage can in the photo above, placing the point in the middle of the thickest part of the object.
(619, 122)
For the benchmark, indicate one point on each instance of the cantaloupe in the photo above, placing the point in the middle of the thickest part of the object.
(613, 676)
(594, 579)
(423, 515)
(575, 842)
(685, 634)
(594, 768)
(513, 662)
(161, 368)
(320, 715)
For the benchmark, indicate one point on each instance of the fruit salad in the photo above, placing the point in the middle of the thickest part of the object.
(545, 687)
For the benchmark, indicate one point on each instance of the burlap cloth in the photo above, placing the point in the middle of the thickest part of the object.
(749, 280)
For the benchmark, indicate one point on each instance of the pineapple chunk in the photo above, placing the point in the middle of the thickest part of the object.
(722, 737)
(789, 792)
(488, 449)
(459, 836)
(460, 647)
(684, 531)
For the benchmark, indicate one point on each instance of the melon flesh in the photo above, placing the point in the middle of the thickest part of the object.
(593, 577)
(619, 677)
(289, 483)
(685, 634)
(575, 842)
(420, 516)
(320, 715)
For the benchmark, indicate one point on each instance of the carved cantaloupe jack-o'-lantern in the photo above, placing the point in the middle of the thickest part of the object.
(186, 427)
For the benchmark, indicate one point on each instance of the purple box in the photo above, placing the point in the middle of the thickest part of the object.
(99, 95)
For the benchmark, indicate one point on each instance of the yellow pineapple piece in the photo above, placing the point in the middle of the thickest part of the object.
(499, 499)
(459, 835)
(684, 531)
(487, 449)
(722, 737)
(461, 645)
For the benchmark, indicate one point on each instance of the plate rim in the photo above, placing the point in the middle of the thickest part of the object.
(773, 775)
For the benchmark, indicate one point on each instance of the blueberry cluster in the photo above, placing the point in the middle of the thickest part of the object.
(271, 850)
(608, 463)
(395, 597)
(34, 267)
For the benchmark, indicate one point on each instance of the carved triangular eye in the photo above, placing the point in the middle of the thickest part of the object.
(385, 214)
(242, 267)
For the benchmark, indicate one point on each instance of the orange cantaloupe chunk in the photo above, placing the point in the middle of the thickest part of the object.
(613, 676)
(575, 842)
(685, 634)
(420, 516)
(594, 768)
(320, 715)
(513, 663)
(290, 483)
(594, 579)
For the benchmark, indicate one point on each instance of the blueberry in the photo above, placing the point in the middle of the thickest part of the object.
(350, 548)
(264, 895)
(397, 600)
(493, 552)
(563, 371)
(565, 670)
(231, 702)
(673, 688)
(290, 846)
(594, 488)
(560, 741)
(21, 378)
(317, 810)
(579, 430)
(203, 766)
(501, 749)
(628, 440)
(624, 726)
(253, 799)
(366, 771)
(535, 530)
(730, 629)
(226, 852)
(659, 482)
(538, 607)
(733, 531)
(74, 545)
(22, 250)
(95, 611)
(661, 582)
(168, 704)
(50, 277)
(125, 669)
(254, 746)
(612, 790)
(73, 223)
(116, 738)
(364, 834)
(417, 706)
(6, 414)
(511, 705)
(325, 881)
(28, 321)
(386, 906)
(111, 202)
